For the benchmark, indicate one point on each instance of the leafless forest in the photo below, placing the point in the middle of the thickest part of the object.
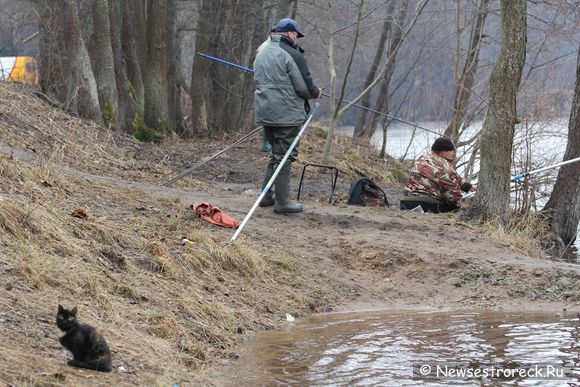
(132, 66)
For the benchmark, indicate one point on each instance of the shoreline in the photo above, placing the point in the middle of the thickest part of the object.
(193, 304)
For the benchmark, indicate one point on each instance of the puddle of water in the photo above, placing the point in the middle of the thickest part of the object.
(388, 349)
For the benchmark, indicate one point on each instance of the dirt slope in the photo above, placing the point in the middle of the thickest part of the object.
(169, 310)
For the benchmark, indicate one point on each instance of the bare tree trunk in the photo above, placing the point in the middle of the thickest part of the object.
(138, 14)
(127, 103)
(65, 67)
(260, 29)
(563, 207)
(335, 109)
(132, 40)
(221, 96)
(294, 9)
(227, 95)
(419, 9)
(175, 117)
(207, 31)
(493, 194)
(366, 101)
(383, 96)
(101, 53)
(284, 8)
(340, 112)
(466, 81)
(156, 112)
(458, 31)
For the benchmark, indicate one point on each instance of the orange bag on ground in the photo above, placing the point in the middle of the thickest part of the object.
(214, 215)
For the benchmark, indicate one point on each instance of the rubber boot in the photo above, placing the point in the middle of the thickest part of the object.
(266, 147)
(283, 204)
(268, 199)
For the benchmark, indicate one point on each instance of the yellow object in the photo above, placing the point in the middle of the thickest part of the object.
(21, 69)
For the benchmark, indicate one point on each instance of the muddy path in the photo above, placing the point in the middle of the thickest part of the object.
(380, 257)
(171, 310)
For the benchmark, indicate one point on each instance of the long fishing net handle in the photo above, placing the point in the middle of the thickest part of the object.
(275, 174)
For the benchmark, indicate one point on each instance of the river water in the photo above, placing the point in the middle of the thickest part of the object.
(393, 348)
(408, 348)
(538, 144)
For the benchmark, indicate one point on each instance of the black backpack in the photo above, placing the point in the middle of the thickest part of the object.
(365, 192)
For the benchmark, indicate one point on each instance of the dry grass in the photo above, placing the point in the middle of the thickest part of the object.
(55, 135)
(161, 311)
(205, 252)
(161, 261)
(30, 275)
(527, 233)
(353, 161)
(166, 308)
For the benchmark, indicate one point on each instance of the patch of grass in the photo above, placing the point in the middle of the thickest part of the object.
(214, 322)
(109, 113)
(206, 252)
(14, 220)
(284, 261)
(161, 261)
(398, 175)
(164, 326)
(129, 292)
(30, 275)
(142, 132)
(528, 233)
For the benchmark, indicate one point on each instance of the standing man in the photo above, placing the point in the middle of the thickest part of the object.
(283, 87)
(433, 182)
(266, 147)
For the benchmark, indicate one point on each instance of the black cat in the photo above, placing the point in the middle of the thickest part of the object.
(89, 348)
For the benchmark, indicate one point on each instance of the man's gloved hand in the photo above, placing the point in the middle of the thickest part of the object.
(466, 187)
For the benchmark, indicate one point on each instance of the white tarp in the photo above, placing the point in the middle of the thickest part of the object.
(6, 65)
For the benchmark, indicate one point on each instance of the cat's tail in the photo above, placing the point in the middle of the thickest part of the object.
(101, 364)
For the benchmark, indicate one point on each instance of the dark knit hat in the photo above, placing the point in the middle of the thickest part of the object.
(442, 144)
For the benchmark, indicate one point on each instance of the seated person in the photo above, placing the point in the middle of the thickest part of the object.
(433, 181)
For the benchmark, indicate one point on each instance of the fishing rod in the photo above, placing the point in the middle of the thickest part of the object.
(344, 101)
(206, 160)
(526, 174)
(388, 116)
(275, 174)
(225, 62)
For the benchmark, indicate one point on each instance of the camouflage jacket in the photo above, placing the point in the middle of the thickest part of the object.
(435, 177)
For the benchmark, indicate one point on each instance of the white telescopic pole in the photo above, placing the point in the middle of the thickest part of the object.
(267, 187)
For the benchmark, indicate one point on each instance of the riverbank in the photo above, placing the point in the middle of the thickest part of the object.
(85, 221)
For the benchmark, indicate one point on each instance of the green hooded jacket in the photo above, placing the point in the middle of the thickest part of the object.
(283, 84)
